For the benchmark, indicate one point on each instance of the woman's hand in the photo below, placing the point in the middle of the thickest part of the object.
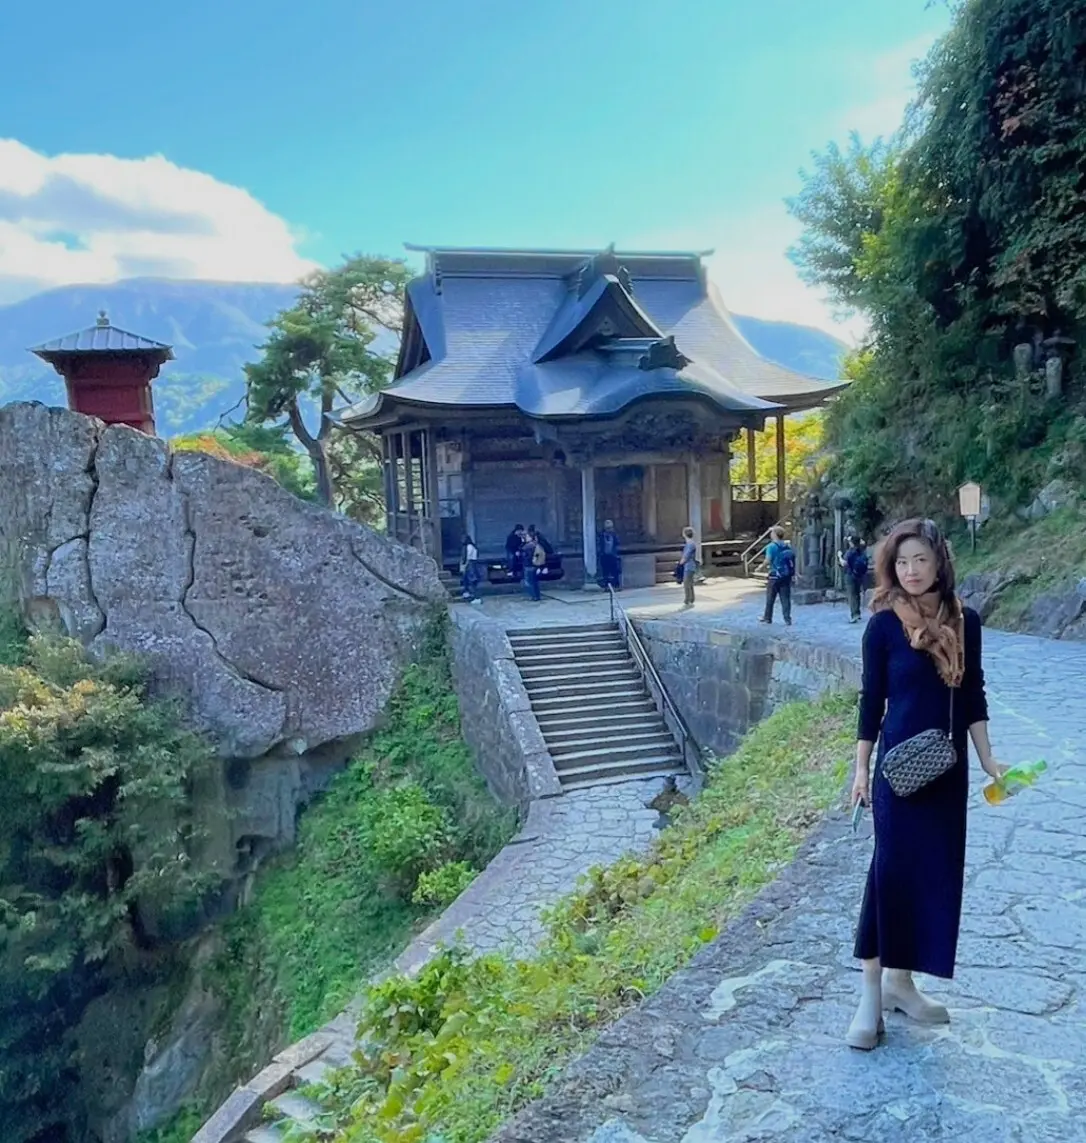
(995, 770)
(861, 786)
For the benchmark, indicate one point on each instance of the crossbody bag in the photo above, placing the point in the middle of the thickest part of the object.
(918, 761)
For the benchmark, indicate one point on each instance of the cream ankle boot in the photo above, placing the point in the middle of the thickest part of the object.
(900, 994)
(867, 1025)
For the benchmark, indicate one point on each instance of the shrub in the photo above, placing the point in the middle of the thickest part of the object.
(98, 845)
(449, 1054)
(443, 885)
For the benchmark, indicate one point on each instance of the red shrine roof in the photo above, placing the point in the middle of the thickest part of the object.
(102, 337)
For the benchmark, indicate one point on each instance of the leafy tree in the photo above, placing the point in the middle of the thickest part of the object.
(98, 862)
(263, 447)
(960, 240)
(803, 442)
(321, 352)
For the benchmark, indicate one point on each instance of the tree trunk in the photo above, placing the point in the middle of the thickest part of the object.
(315, 447)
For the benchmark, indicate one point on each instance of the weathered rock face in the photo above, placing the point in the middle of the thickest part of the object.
(282, 625)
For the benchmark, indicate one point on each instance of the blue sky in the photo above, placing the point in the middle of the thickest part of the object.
(236, 139)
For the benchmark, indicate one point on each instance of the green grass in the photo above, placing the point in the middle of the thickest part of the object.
(1045, 555)
(331, 913)
(181, 1128)
(456, 1051)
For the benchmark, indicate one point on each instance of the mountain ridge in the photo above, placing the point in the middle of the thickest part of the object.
(215, 327)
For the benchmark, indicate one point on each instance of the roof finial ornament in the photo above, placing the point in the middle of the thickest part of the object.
(663, 354)
(103, 319)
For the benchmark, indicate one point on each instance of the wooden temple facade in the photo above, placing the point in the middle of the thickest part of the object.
(564, 388)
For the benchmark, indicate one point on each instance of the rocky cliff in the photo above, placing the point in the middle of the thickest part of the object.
(281, 625)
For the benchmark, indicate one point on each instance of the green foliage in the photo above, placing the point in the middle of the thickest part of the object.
(98, 858)
(320, 352)
(328, 915)
(263, 447)
(441, 886)
(12, 640)
(180, 1129)
(960, 240)
(451, 1053)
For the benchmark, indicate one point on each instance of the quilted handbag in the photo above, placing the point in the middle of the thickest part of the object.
(912, 764)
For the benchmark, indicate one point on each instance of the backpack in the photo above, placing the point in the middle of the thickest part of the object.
(539, 557)
(859, 568)
(784, 565)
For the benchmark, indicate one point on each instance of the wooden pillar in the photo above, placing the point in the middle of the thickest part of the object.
(782, 497)
(693, 495)
(388, 465)
(752, 460)
(433, 508)
(588, 521)
(649, 492)
(467, 476)
(726, 515)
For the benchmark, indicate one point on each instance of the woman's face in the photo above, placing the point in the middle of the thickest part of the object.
(915, 566)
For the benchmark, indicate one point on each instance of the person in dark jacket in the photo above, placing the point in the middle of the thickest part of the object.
(854, 561)
(921, 671)
(609, 557)
(514, 545)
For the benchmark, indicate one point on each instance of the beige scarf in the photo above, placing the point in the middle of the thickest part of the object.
(932, 627)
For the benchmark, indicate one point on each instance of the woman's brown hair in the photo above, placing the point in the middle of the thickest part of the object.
(887, 586)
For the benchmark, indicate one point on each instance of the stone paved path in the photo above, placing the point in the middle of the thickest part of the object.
(746, 1043)
(562, 839)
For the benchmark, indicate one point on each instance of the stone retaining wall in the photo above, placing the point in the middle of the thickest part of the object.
(496, 716)
(725, 682)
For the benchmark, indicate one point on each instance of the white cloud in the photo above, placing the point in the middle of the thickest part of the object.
(750, 267)
(69, 219)
(887, 79)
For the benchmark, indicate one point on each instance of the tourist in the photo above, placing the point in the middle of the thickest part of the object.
(780, 559)
(609, 559)
(689, 561)
(469, 568)
(514, 545)
(921, 672)
(539, 538)
(855, 564)
(533, 557)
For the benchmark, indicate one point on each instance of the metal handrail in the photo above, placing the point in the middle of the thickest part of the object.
(689, 748)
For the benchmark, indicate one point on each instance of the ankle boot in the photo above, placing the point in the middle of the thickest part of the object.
(900, 994)
(867, 1025)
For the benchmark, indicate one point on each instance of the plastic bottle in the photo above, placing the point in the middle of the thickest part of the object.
(1015, 779)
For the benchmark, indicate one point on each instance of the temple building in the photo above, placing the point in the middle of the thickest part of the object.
(563, 388)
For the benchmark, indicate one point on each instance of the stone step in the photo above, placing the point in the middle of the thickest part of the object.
(533, 634)
(621, 742)
(542, 691)
(618, 777)
(609, 697)
(618, 754)
(596, 773)
(590, 652)
(575, 714)
(562, 729)
(574, 673)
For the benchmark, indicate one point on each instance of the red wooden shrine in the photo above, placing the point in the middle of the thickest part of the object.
(108, 372)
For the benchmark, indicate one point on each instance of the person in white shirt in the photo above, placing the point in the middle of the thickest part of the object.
(469, 568)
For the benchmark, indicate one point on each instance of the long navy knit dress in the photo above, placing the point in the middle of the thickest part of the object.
(913, 901)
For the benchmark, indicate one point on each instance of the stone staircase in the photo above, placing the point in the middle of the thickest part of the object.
(597, 718)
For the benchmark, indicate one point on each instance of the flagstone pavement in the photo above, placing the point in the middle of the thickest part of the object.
(746, 1043)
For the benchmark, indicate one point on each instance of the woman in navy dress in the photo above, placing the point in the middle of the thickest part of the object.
(921, 654)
